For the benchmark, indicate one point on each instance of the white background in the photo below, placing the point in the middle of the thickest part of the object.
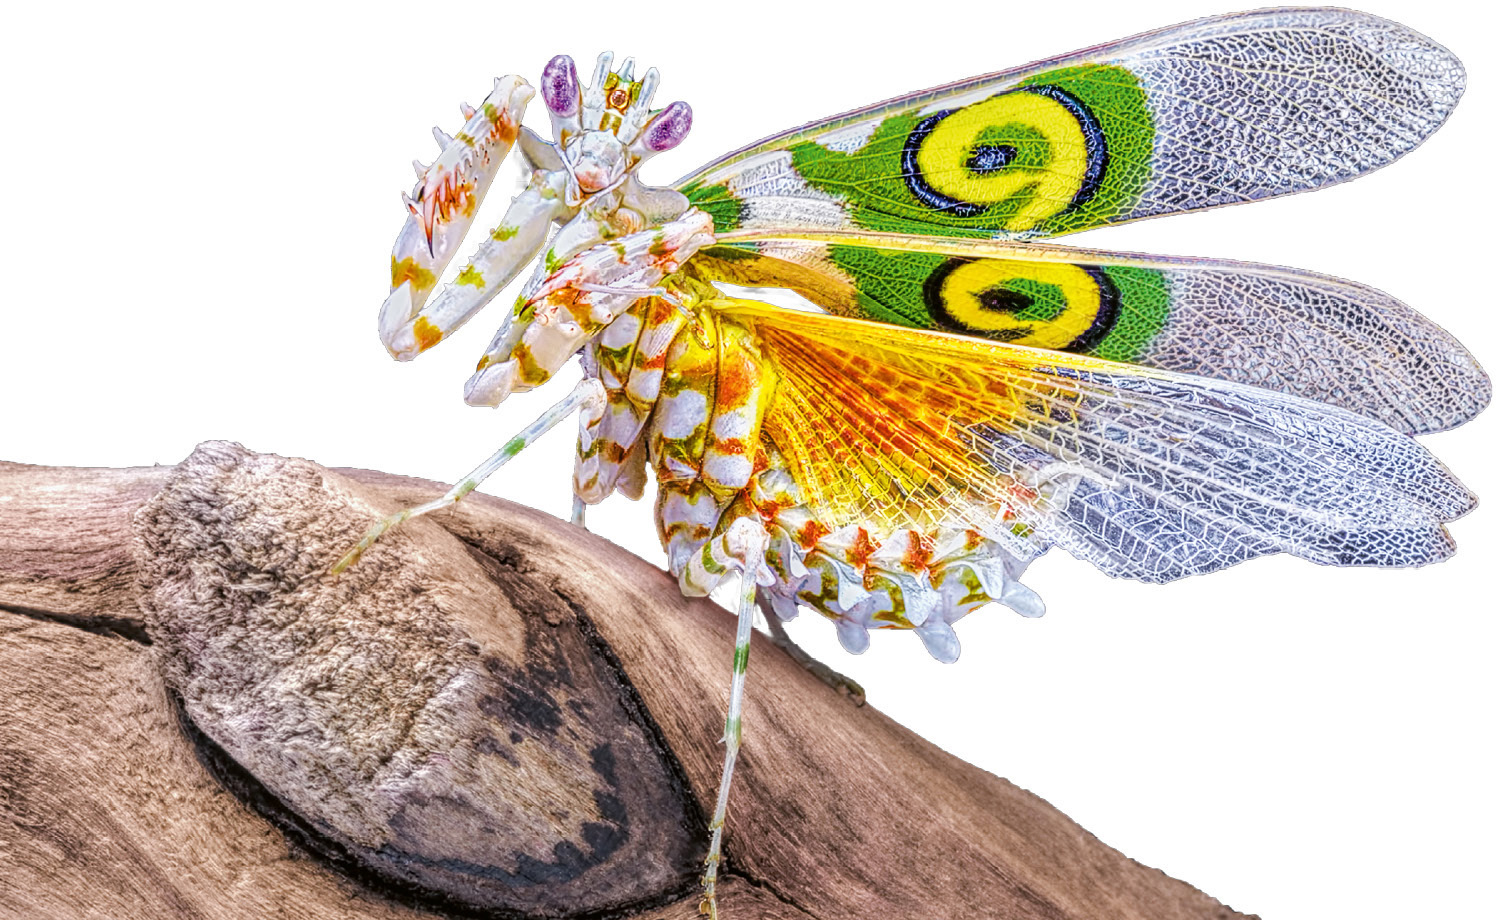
(201, 202)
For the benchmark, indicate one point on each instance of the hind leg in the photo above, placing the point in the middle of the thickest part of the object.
(823, 672)
(740, 547)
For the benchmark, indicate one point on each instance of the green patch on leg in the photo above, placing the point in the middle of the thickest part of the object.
(740, 657)
(709, 562)
(502, 234)
(470, 276)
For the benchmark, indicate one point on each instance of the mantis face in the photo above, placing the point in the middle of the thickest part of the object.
(583, 179)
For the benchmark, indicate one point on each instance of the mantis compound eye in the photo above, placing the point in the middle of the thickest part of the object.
(560, 87)
(668, 128)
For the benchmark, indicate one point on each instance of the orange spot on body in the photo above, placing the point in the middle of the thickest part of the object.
(862, 549)
(811, 534)
(973, 540)
(769, 511)
(736, 382)
(658, 309)
(735, 446)
(921, 550)
(426, 332)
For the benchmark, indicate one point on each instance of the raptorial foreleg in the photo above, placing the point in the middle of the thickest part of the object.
(407, 327)
(442, 204)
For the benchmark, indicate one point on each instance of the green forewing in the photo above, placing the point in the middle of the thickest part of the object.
(1048, 173)
(1218, 111)
(914, 289)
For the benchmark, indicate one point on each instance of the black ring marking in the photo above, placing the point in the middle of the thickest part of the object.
(985, 159)
(915, 179)
(1001, 300)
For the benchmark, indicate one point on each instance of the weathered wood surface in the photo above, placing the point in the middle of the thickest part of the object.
(494, 714)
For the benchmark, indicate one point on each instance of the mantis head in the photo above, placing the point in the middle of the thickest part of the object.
(583, 180)
(605, 130)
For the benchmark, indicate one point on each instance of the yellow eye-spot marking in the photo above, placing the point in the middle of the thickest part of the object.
(1037, 146)
(1043, 304)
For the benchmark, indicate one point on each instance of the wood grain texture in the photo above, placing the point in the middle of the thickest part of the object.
(111, 806)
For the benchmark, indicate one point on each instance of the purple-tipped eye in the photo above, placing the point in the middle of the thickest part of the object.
(668, 128)
(559, 86)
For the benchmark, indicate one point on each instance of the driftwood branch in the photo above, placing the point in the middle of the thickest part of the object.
(493, 714)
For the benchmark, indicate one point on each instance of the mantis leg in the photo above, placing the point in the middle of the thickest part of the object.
(588, 396)
(823, 672)
(744, 543)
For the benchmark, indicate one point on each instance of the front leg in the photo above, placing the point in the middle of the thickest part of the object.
(445, 198)
(578, 300)
(587, 397)
(407, 328)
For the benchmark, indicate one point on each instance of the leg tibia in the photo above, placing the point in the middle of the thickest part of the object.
(742, 544)
(587, 396)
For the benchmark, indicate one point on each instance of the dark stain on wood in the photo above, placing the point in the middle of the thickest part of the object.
(105, 812)
(113, 627)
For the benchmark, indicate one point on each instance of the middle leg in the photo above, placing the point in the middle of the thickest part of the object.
(587, 396)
